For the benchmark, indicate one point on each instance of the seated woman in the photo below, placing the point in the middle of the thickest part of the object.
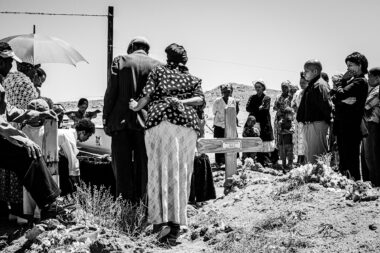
(82, 112)
(170, 139)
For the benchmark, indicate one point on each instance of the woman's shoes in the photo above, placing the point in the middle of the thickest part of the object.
(167, 233)
(163, 233)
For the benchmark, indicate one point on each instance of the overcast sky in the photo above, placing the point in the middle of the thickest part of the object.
(227, 41)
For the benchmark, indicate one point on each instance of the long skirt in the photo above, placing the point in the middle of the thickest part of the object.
(299, 146)
(315, 140)
(171, 150)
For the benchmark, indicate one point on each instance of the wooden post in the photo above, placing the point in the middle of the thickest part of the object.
(231, 144)
(230, 132)
(109, 43)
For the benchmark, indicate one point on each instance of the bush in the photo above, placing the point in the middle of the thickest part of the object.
(98, 206)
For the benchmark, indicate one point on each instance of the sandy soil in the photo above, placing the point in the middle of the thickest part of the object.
(310, 218)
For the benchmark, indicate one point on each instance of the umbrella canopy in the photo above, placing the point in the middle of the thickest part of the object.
(37, 49)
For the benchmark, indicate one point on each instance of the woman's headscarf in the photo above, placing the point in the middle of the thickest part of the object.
(286, 83)
(177, 56)
(28, 69)
(260, 81)
(38, 105)
(224, 87)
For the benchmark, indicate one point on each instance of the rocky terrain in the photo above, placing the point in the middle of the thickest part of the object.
(312, 208)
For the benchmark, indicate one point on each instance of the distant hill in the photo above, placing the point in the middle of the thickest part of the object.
(241, 92)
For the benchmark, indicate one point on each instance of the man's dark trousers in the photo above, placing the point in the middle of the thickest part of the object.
(130, 164)
(33, 174)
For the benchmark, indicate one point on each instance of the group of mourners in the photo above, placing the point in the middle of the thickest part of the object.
(38, 159)
(314, 119)
(154, 114)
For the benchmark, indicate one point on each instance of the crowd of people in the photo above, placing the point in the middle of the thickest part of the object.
(314, 119)
(154, 114)
(33, 148)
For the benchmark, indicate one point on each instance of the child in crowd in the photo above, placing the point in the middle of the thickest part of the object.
(285, 142)
(250, 130)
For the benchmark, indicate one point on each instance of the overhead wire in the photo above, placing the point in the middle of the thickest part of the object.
(53, 14)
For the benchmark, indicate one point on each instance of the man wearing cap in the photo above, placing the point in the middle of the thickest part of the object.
(129, 74)
(18, 152)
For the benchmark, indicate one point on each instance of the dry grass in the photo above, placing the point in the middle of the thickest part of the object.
(98, 206)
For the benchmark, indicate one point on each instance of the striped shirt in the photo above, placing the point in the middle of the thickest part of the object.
(372, 105)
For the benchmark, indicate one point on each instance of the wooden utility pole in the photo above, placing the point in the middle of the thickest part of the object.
(109, 43)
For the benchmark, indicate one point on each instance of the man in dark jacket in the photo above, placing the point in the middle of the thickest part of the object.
(315, 111)
(129, 159)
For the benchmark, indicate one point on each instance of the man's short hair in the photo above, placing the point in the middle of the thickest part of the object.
(358, 59)
(85, 125)
(82, 101)
(375, 71)
(314, 65)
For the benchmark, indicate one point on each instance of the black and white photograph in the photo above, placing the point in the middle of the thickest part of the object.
(189, 126)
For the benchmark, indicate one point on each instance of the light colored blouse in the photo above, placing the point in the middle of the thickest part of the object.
(218, 109)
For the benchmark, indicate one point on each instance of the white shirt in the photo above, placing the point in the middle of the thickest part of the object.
(67, 142)
(218, 109)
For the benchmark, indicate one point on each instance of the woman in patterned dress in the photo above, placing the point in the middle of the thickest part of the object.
(299, 148)
(172, 128)
(282, 101)
(19, 91)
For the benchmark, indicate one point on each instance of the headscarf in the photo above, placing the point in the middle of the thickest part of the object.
(177, 57)
(38, 105)
(28, 69)
(260, 81)
(227, 86)
(286, 83)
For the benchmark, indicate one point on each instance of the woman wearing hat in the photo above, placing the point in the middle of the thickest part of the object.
(218, 109)
(259, 106)
(172, 129)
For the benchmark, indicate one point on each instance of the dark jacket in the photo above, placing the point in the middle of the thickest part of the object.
(262, 115)
(350, 115)
(357, 88)
(315, 103)
(121, 89)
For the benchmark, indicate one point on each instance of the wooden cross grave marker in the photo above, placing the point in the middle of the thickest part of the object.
(231, 144)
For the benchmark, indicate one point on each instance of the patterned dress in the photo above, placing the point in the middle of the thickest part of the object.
(19, 91)
(282, 101)
(170, 141)
(299, 147)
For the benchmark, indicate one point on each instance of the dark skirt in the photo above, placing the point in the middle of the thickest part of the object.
(202, 182)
